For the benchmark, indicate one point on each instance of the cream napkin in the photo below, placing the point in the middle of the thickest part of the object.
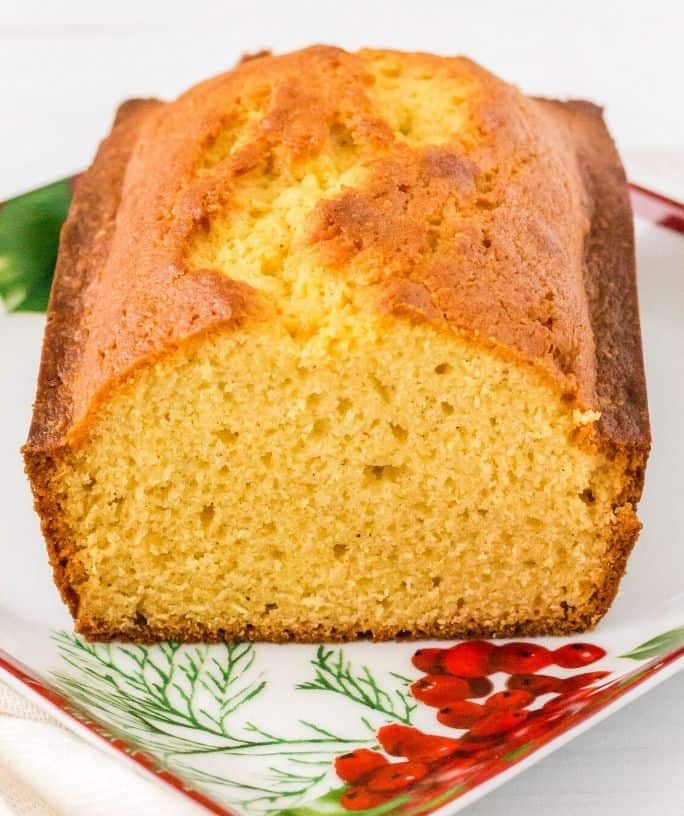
(47, 771)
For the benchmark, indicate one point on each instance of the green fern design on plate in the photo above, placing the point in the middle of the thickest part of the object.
(185, 705)
(334, 673)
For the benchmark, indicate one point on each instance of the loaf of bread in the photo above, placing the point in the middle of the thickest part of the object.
(343, 345)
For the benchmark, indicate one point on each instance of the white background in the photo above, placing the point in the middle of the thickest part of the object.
(65, 66)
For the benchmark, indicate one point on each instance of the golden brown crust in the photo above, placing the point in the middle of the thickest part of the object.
(84, 245)
(491, 224)
(484, 238)
(197, 632)
(610, 282)
(485, 233)
(518, 232)
(610, 279)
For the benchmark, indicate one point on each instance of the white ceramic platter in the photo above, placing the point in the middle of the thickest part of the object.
(256, 729)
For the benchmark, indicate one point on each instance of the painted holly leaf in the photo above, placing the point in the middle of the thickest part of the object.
(29, 237)
(657, 646)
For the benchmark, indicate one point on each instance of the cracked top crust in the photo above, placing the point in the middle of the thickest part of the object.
(457, 201)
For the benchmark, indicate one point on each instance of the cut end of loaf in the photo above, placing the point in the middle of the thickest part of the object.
(384, 483)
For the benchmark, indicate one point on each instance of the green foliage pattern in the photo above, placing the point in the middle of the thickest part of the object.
(29, 237)
(182, 705)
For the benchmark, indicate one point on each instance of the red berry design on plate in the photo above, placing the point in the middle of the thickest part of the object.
(531, 728)
(438, 690)
(361, 798)
(460, 714)
(455, 764)
(498, 722)
(402, 740)
(393, 738)
(397, 776)
(511, 699)
(536, 684)
(479, 747)
(480, 686)
(575, 699)
(501, 723)
(359, 763)
(429, 660)
(559, 715)
(469, 659)
(577, 655)
(579, 681)
(521, 658)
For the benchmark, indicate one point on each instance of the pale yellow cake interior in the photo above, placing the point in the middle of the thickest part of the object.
(400, 482)
(328, 471)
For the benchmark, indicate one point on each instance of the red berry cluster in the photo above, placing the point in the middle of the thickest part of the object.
(498, 725)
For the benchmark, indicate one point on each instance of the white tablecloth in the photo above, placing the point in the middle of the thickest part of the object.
(47, 771)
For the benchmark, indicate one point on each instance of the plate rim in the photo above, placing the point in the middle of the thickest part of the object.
(24, 680)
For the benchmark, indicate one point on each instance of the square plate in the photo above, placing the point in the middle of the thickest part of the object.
(256, 729)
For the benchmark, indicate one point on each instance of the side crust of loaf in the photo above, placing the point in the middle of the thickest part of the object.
(84, 244)
(609, 280)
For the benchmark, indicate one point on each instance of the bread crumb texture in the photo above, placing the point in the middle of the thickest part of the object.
(379, 418)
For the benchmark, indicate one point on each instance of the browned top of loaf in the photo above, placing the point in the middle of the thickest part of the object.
(516, 230)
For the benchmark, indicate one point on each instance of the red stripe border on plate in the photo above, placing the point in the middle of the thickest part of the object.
(661, 210)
